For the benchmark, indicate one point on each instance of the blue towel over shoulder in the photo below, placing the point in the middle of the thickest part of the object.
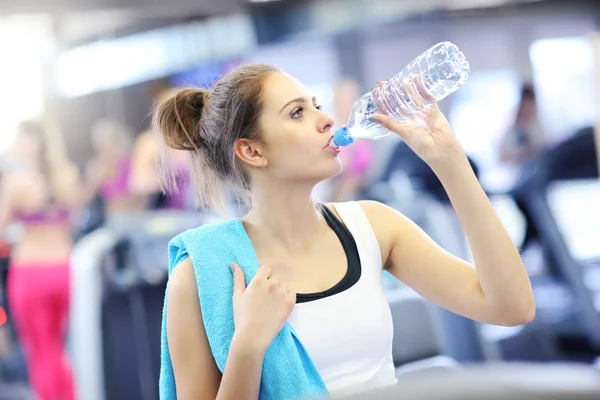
(288, 372)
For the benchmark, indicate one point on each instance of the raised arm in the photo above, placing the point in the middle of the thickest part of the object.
(496, 289)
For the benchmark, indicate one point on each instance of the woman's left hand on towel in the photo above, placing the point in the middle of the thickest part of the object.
(261, 309)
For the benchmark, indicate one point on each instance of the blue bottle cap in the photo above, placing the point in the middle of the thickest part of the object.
(342, 137)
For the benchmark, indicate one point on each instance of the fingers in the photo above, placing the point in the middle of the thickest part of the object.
(379, 84)
(421, 92)
(281, 292)
(263, 273)
(432, 113)
(400, 129)
(274, 282)
(417, 103)
(239, 284)
(290, 294)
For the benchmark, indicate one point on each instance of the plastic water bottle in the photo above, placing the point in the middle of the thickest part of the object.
(429, 78)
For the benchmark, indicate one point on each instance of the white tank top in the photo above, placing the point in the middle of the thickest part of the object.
(349, 334)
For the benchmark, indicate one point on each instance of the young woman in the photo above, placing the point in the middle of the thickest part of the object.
(40, 195)
(261, 131)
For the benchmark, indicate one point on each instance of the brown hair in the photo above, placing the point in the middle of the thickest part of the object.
(208, 124)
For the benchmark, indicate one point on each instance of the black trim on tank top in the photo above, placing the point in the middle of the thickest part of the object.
(350, 249)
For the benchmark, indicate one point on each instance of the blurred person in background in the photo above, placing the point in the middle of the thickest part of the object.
(261, 131)
(521, 145)
(144, 179)
(107, 174)
(356, 158)
(525, 140)
(40, 195)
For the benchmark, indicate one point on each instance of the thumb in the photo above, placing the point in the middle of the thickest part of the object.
(239, 284)
(398, 128)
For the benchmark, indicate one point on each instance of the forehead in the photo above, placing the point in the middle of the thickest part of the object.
(279, 88)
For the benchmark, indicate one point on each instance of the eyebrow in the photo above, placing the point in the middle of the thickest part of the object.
(297, 100)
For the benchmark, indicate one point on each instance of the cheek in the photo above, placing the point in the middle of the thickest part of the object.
(287, 154)
(290, 143)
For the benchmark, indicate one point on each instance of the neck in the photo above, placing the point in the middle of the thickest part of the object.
(284, 214)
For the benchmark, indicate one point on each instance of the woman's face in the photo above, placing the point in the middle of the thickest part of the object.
(295, 132)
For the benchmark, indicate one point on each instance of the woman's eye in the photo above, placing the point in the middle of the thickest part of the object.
(298, 113)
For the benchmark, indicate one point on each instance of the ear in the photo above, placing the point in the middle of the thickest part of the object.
(251, 152)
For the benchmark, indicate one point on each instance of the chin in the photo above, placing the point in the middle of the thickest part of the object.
(332, 170)
(316, 173)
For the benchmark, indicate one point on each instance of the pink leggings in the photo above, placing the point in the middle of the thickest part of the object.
(38, 296)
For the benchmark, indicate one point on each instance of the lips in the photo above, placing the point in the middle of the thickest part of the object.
(328, 147)
(329, 143)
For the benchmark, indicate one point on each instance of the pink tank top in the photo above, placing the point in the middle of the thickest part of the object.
(47, 216)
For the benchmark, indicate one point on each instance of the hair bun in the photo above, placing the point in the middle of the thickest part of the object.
(178, 118)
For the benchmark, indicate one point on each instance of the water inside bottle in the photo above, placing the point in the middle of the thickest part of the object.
(428, 79)
(359, 122)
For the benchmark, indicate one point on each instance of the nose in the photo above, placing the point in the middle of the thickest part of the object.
(325, 123)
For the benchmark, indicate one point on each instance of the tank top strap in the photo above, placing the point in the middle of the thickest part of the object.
(357, 222)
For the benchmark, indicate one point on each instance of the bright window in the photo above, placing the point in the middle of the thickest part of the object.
(564, 80)
(24, 43)
(482, 111)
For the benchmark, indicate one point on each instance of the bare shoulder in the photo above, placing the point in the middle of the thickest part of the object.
(389, 225)
(380, 215)
(182, 282)
(372, 207)
(182, 289)
(186, 337)
(182, 299)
